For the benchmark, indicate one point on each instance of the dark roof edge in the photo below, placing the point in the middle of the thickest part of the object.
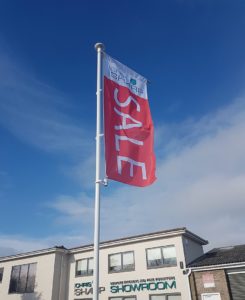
(54, 249)
(175, 231)
(147, 236)
(196, 237)
(131, 237)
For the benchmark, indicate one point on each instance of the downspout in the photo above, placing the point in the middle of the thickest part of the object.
(187, 272)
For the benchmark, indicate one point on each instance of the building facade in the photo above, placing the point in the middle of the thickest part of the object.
(145, 267)
(219, 274)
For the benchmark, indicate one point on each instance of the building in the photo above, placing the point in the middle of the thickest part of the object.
(144, 267)
(219, 274)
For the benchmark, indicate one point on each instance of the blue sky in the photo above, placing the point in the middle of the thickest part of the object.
(193, 53)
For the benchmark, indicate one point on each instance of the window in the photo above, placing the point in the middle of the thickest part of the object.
(84, 267)
(166, 297)
(1, 275)
(161, 256)
(213, 296)
(123, 298)
(23, 279)
(119, 262)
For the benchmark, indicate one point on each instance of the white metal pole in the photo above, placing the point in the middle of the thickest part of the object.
(99, 48)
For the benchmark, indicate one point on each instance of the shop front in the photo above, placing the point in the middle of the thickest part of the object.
(144, 267)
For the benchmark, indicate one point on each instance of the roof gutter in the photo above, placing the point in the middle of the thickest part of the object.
(218, 267)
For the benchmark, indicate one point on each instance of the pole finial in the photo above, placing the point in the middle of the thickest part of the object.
(100, 46)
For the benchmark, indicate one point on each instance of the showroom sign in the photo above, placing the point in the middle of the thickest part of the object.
(151, 284)
(128, 286)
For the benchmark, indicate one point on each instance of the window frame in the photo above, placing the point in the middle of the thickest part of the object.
(27, 289)
(123, 297)
(87, 271)
(1, 274)
(162, 257)
(83, 299)
(122, 269)
(209, 294)
(166, 295)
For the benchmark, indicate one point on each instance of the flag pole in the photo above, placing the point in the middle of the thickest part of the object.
(99, 48)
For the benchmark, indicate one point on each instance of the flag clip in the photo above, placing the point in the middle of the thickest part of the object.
(99, 91)
(104, 181)
(99, 136)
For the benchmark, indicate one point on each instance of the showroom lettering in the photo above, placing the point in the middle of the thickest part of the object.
(85, 288)
(149, 286)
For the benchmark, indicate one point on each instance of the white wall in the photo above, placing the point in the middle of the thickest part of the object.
(43, 282)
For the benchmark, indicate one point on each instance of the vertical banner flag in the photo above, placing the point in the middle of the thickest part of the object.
(128, 125)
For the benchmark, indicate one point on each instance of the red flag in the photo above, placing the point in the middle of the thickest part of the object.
(128, 125)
